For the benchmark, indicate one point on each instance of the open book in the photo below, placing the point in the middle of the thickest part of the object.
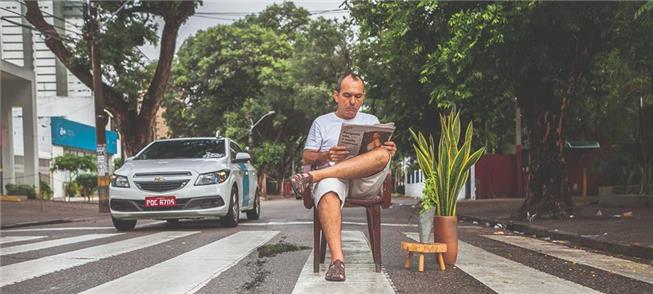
(362, 138)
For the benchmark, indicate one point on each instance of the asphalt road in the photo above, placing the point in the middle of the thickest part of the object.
(204, 257)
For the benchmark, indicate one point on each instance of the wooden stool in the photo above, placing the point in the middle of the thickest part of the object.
(421, 248)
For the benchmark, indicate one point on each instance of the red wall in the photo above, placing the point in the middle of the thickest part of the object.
(495, 176)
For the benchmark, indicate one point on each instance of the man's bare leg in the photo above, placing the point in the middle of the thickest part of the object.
(330, 218)
(360, 166)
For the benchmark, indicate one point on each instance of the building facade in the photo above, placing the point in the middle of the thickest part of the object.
(64, 107)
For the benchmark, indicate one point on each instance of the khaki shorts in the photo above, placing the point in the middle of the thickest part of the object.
(355, 188)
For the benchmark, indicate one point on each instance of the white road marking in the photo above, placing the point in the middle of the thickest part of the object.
(59, 229)
(506, 276)
(11, 239)
(359, 271)
(22, 271)
(52, 243)
(288, 223)
(192, 270)
(626, 268)
(145, 225)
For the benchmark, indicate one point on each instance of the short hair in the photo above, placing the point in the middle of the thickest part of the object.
(354, 76)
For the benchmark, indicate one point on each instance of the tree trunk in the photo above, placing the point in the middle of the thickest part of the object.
(547, 194)
(134, 127)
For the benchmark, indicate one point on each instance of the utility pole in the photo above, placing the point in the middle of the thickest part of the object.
(92, 35)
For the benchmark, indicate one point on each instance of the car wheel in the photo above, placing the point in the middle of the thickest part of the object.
(255, 212)
(123, 225)
(231, 219)
(172, 222)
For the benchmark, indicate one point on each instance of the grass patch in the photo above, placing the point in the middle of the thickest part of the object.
(270, 250)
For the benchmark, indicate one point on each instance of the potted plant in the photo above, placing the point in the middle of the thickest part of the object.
(445, 176)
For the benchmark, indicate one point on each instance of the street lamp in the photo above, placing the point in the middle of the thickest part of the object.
(250, 141)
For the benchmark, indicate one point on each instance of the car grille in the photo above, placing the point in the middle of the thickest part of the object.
(172, 173)
(161, 186)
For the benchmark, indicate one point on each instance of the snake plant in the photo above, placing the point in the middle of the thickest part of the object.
(446, 174)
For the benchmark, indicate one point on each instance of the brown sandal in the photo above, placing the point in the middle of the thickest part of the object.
(336, 272)
(300, 182)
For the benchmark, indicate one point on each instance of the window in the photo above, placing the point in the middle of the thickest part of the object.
(200, 148)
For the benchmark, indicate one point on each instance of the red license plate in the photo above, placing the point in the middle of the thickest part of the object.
(160, 201)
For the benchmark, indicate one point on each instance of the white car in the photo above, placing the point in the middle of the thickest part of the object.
(185, 178)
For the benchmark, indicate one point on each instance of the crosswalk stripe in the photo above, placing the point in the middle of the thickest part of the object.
(506, 276)
(288, 223)
(11, 239)
(58, 229)
(140, 226)
(359, 270)
(52, 243)
(190, 271)
(22, 271)
(627, 268)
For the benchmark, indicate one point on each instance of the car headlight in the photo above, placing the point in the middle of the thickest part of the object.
(119, 181)
(212, 178)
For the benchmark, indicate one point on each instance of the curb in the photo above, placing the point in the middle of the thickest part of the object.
(36, 223)
(622, 248)
(13, 198)
(39, 223)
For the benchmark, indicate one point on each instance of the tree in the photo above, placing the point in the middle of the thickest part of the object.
(277, 60)
(73, 164)
(132, 91)
(479, 56)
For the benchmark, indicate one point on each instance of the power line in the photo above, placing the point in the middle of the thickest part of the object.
(54, 16)
(49, 34)
(23, 16)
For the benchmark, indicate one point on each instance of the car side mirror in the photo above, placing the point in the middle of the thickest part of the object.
(242, 157)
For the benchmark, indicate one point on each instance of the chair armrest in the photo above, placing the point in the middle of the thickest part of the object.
(308, 199)
(387, 192)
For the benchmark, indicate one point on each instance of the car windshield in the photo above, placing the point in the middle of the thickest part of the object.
(184, 149)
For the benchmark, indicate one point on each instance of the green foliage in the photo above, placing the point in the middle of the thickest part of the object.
(118, 162)
(45, 191)
(228, 76)
(86, 183)
(268, 153)
(74, 163)
(446, 174)
(22, 190)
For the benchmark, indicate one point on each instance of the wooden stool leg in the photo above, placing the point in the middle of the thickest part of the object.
(441, 262)
(420, 266)
(409, 260)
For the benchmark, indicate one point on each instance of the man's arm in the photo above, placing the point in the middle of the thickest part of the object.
(314, 157)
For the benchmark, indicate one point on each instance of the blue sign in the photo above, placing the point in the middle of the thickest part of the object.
(73, 134)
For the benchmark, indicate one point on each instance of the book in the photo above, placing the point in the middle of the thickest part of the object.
(359, 139)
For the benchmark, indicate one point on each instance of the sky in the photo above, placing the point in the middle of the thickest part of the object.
(226, 11)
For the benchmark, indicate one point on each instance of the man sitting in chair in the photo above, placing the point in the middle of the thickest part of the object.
(334, 176)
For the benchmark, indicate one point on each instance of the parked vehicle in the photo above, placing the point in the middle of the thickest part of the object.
(186, 178)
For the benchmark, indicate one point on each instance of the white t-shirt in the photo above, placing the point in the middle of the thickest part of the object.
(326, 129)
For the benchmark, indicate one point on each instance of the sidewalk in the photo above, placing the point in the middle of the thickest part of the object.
(37, 212)
(624, 231)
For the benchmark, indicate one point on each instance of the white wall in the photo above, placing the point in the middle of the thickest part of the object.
(414, 184)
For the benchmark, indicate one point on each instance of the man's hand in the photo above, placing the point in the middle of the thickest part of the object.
(390, 146)
(337, 153)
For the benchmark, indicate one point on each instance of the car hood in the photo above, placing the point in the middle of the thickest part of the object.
(168, 165)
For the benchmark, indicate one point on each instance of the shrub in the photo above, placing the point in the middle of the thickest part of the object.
(87, 184)
(22, 189)
(46, 191)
